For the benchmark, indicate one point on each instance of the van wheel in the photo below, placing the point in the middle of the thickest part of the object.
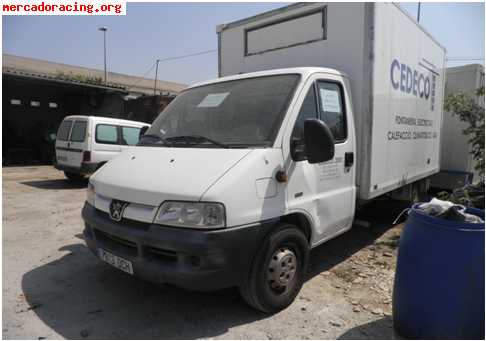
(74, 176)
(278, 270)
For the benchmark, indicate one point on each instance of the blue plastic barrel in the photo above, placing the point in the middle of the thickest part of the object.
(439, 281)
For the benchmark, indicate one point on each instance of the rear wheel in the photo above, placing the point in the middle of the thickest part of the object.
(74, 176)
(278, 270)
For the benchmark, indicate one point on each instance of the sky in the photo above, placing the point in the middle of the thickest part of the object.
(151, 31)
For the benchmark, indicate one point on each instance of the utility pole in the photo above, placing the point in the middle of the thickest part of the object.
(156, 71)
(104, 29)
(418, 12)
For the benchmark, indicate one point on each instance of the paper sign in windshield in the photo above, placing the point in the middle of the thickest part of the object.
(213, 100)
(330, 101)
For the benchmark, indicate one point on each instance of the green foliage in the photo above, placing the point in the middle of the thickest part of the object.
(468, 110)
(80, 78)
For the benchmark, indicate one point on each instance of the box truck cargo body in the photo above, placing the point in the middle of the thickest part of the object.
(396, 72)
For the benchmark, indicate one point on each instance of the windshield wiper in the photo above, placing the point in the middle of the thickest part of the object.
(195, 139)
(157, 138)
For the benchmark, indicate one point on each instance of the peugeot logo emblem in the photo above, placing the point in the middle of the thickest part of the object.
(116, 209)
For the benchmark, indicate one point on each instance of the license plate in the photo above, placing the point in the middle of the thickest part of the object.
(118, 262)
(62, 158)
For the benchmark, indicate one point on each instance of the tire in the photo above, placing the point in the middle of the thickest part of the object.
(261, 290)
(74, 176)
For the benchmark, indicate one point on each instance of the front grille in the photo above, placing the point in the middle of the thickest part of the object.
(133, 224)
(116, 243)
(160, 254)
(122, 246)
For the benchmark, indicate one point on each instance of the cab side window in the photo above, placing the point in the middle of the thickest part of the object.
(307, 111)
(130, 135)
(107, 134)
(331, 109)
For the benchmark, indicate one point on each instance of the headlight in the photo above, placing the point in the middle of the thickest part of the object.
(90, 195)
(201, 215)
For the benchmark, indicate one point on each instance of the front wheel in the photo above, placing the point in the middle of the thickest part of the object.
(277, 273)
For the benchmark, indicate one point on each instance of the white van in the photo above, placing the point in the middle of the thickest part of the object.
(85, 143)
(239, 177)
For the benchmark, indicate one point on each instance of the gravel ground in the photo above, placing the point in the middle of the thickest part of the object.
(53, 287)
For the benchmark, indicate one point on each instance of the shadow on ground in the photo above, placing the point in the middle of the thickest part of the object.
(56, 184)
(381, 329)
(78, 296)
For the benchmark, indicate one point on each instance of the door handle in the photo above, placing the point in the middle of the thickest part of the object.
(348, 159)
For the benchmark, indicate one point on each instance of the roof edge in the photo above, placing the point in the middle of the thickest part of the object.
(87, 69)
(281, 71)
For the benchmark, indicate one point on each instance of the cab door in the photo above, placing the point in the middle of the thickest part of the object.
(106, 142)
(323, 191)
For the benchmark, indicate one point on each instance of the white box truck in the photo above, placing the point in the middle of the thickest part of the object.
(239, 177)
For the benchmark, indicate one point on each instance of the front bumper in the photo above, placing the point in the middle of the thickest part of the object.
(85, 168)
(191, 259)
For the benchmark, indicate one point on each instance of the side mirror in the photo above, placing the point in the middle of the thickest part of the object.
(143, 130)
(319, 142)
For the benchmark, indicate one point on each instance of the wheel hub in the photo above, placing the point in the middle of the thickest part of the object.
(282, 268)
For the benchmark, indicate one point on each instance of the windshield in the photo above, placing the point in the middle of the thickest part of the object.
(245, 112)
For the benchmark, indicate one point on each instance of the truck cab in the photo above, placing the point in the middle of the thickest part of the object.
(232, 185)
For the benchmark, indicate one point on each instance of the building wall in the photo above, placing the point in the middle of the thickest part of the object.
(146, 109)
(26, 126)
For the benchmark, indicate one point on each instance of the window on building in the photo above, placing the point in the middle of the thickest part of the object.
(106, 133)
(130, 135)
(15, 102)
(35, 104)
(53, 105)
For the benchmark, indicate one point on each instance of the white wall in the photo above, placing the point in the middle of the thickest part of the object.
(455, 148)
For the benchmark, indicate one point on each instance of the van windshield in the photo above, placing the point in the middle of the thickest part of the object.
(239, 113)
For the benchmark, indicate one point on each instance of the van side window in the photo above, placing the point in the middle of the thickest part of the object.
(63, 131)
(331, 109)
(79, 131)
(130, 135)
(106, 133)
(308, 110)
